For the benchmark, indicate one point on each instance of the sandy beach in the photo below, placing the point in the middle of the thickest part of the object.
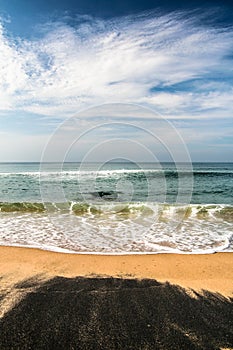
(212, 272)
(65, 301)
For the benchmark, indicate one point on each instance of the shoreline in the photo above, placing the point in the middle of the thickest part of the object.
(126, 253)
(212, 272)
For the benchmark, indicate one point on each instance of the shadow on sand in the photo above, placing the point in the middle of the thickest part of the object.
(112, 313)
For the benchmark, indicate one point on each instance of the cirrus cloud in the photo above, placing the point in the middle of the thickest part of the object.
(146, 59)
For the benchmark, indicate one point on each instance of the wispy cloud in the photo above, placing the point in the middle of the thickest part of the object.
(136, 59)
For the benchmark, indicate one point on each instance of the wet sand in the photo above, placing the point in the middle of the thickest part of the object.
(65, 301)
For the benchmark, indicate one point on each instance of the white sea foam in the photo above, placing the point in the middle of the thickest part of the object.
(79, 172)
(115, 229)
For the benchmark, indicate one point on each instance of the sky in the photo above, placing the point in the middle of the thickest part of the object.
(146, 62)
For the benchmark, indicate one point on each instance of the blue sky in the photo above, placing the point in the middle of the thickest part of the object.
(58, 58)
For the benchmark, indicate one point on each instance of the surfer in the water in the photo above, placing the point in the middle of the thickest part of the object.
(107, 194)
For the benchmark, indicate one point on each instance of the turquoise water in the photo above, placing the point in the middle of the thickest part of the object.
(117, 208)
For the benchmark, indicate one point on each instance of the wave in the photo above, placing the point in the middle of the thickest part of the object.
(195, 211)
(116, 227)
(80, 172)
(120, 171)
(11, 207)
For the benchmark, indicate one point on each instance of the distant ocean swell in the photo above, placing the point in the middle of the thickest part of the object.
(155, 172)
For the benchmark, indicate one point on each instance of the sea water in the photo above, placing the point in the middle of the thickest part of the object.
(117, 207)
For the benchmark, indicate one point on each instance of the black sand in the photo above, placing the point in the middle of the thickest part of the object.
(110, 313)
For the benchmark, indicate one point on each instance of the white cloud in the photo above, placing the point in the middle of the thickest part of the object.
(121, 60)
(186, 105)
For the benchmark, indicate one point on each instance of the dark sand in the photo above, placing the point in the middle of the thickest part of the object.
(43, 311)
(100, 313)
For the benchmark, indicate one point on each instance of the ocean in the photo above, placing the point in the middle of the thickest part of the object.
(117, 207)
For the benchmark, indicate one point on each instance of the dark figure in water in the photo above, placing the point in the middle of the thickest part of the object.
(105, 194)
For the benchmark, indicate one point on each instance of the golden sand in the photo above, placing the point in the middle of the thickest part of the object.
(213, 272)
